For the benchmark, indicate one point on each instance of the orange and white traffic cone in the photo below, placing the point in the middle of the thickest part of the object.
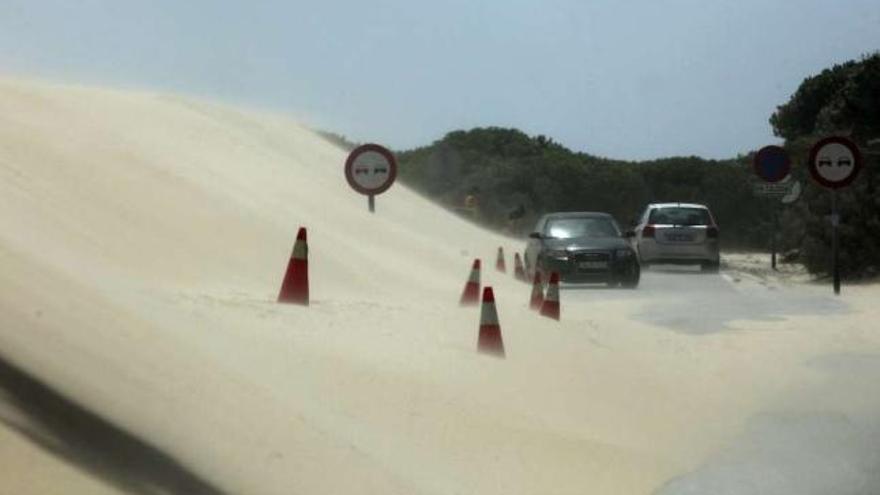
(499, 261)
(550, 308)
(537, 299)
(295, 288)
(490, 341)
(470, 296)
(518, 271)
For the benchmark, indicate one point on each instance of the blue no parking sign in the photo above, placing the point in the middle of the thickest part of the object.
(772, 163)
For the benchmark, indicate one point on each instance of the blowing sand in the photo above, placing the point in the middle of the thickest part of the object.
(143, 242)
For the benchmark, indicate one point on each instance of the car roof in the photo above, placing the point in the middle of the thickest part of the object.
(677, 205)
(578, 214)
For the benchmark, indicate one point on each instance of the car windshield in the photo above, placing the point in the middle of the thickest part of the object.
(680, 216)
(567, 228)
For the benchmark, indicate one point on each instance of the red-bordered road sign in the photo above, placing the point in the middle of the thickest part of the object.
(370, 169)
(772, 163)
(835, 162)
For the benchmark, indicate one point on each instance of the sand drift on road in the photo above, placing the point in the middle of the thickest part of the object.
(144, 238)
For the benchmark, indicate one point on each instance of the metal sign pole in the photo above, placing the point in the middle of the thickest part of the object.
(834, 163)
(773, 165)
(835, 220)
(773, 236)
(371, 202)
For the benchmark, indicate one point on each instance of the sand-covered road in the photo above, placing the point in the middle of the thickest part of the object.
(143, 241)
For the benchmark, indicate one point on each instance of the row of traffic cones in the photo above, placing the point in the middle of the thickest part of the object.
(537, 301)
(295, 290)
(490, 340)
(295, 287)
(547, 306)
(519, 269)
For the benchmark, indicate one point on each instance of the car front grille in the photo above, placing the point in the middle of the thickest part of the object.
(591, 256)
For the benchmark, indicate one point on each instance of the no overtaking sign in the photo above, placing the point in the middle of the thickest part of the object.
(370, 170)
(835, 162)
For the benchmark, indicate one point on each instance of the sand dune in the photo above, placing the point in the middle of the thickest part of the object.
(143, 242)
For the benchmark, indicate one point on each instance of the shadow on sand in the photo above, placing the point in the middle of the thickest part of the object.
(89, 442)
(685, 270)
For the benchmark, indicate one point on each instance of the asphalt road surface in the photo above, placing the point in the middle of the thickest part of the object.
(684, 299)
(811, 450)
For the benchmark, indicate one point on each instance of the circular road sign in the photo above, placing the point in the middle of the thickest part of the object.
(835, 162)
(772, 163)
(370, 169)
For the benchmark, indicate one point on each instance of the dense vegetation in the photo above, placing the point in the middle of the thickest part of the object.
(843, 100)
(505, 168)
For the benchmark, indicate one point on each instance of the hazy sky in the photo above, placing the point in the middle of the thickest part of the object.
(625, 79)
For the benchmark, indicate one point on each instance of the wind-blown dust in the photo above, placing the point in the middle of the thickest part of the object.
(143, 242)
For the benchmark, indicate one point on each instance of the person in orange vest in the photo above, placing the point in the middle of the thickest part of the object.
(471, 204)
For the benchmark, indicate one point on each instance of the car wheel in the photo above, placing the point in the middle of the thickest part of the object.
(710, 266)
(632, 279)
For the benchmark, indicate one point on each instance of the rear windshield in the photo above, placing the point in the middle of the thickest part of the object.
(567, 228)
(680, 216)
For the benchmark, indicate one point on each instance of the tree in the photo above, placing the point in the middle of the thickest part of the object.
(843, 100)
(510, 169)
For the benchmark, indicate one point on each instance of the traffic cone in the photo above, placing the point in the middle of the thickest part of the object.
(537, 299)
(490, 341)
(295, 288)
(470, 296)
(499, 262)
(550, 308)
(518, 272)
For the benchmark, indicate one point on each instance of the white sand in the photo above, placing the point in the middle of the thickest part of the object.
(28, 469)
(143, 241)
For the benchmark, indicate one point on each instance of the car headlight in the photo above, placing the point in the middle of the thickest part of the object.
(556, 253)
(623, 253)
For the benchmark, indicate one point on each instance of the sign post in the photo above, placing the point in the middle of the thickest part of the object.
(773, 238)
(835, 247)
(793, 194)
(370, 169)
(773, 166)
(834, 164)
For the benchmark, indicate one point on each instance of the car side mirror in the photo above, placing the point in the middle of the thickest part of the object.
(536, 235)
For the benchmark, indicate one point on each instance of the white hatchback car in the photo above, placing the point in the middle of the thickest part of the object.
(676, 233)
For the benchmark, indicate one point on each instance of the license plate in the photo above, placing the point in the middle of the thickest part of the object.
(593, 265)
(680, 237)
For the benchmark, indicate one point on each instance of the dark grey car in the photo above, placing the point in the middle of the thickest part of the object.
(583, 247)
